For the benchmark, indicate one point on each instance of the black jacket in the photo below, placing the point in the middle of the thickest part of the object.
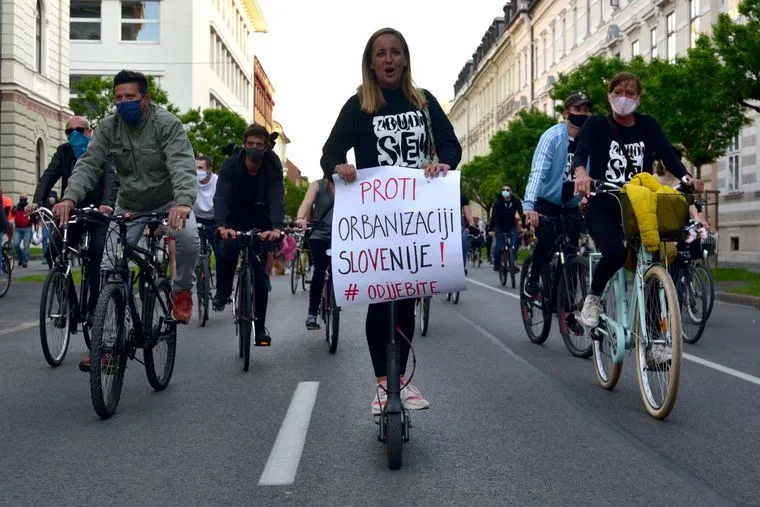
(503, 213)
(230, 210)
(61, 167)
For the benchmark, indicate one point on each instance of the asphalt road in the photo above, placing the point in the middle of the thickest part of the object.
(510, 422)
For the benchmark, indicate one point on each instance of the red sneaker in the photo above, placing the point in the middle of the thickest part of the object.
(183, 306)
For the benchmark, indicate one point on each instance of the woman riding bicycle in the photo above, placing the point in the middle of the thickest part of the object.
(599, 156)
(389, 121)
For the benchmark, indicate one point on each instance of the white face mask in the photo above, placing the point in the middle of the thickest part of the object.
(202, 175)
(623, 106)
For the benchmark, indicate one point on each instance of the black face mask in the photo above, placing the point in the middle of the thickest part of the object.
(577, 120)
(255, 155)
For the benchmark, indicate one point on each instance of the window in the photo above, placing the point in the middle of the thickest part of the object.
(635, 48)
(39, 158)
(554, 44)
(670, 22)
(734, 243)
(588, 17)
(38, 37)
(694, 21)
(576, 21)
(653, 42)
(734, 166)
(535, 61)
(85, 20)
(545, 62)
(139, 20)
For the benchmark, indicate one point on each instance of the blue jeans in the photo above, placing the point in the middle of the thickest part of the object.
(498, 245)
(465, 248)
(23, 234)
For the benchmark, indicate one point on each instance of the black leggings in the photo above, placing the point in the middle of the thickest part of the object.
(318, 249)
(377, 333)
(226, 263)
(604, 220)
(547, 233)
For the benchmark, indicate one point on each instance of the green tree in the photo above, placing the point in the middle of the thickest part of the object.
(738, 45)
(481, 181)
(512, 149)
(213, 129)
(294, 197)
(95, 98)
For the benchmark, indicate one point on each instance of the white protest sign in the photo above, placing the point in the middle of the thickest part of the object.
(396, 235)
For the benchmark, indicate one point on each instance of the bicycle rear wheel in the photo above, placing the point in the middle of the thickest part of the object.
(244, 316)
(658, 347)
(159, 356)
(55, 316)
(604, 348)
(692, 304)
(108, 353)
(536, 313)
(512, 269)
(333, 327)
(571, 294)
(503, 268)
(202, 293)
(708, 284)
(5, 277)
(423, 309)
(295, 273)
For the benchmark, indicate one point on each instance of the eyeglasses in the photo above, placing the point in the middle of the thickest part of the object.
(81, 130)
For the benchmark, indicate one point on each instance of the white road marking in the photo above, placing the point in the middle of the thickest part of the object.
(694, 359)
(20, 327)
(500, 291)
(283, 461)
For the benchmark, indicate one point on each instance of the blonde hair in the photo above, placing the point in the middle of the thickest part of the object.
(370, 93)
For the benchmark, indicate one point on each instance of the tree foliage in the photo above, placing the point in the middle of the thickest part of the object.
(95, 98)
(213, 129)
(481, 181)
(512, 149)
(293, 197)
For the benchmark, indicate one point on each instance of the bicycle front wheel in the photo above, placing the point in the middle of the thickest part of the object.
(159, 355)
(571, 294)
(658, 345)
(536, 314)
(5, 276)
(55, 316)
(512, 269)
(503, 268)
(295, 272)
(244, 316)
(693, 304)
(423, 307)
(108, 353)
(604, 348)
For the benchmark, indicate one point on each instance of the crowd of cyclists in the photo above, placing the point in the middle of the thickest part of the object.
(139, 161)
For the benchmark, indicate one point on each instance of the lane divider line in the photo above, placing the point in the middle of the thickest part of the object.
(285, 456)
(20, 327)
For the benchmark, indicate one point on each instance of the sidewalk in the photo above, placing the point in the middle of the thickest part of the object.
(722, 294)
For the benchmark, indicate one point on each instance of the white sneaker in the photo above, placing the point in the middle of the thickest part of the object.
(380, 396)
(411, 397)
(590, 313)
(659, 354)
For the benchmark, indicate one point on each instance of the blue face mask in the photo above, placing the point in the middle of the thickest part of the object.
(130, 111)
(78, 142)
(505, 194)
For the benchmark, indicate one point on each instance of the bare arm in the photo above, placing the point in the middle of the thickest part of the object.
(308, 200)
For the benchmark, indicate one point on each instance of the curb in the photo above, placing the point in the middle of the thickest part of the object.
(739, 299)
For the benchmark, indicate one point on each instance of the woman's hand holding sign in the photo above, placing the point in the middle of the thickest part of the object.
(433, 170)
(347, 172)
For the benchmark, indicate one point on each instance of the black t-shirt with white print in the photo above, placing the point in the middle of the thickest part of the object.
(599, 152)
(395, 135)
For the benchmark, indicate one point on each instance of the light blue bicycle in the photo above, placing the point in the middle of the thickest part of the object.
(650, 322)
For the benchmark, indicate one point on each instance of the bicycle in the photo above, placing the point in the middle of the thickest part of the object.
(394, 420)
(7, 268)
(61, 311)
(245, 304)
(300, 266)
(152, 329)
(422, 310)
(707, 248)
(507, 261)
(651, 323)
(562, 290)
(329, 310)
(204, 280)
(475, 243)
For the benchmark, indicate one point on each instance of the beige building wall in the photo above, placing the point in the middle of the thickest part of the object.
(524, 51)
(34, 92)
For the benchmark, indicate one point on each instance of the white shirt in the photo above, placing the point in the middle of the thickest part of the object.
(204, 203)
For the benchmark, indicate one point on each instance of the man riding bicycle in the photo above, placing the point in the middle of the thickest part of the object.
(505, 220)
(551, 186)
(321, 196)
(204, 203)
(156, 169)
(249, 195)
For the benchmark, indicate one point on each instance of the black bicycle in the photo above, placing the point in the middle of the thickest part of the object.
(204, 280)
(562, 289)
(244, 309)
(507, 266)
(120, 328)
(475, 244)
(394, 419)
(7, 268)
(329, 310)
(693, 297)
(61, 311)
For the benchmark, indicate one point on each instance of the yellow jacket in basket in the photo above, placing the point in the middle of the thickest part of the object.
(642, 191)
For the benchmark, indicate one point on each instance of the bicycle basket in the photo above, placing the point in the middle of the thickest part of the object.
(672, 216)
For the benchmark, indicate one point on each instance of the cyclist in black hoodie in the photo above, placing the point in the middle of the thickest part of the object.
(390, 122)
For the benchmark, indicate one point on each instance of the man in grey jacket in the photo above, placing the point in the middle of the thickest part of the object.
(156, 169)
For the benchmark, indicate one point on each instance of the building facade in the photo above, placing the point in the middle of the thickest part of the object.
(201, 51)
(33, 89)
(263, 93)
(524, 50)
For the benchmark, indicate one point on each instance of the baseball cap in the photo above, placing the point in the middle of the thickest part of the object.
(577, 99)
